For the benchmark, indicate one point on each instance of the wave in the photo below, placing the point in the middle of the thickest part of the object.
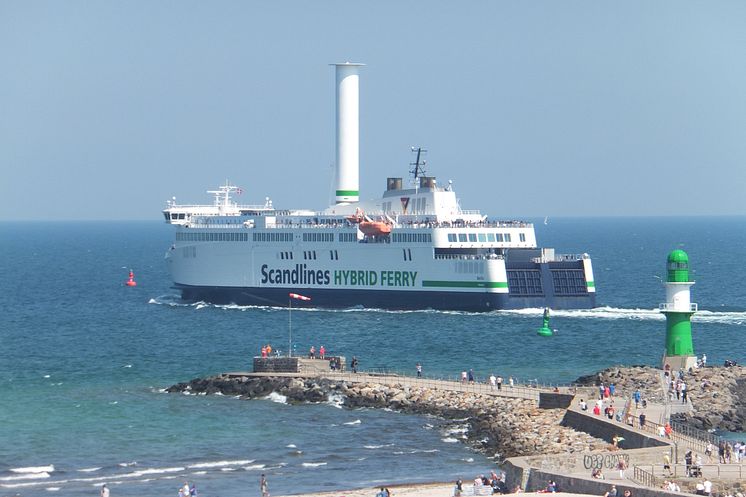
(335, 400)
(377, 446)
(276, 397)
(89, 470)
(313, 464)
(356, 422)
(217, 464)
(291, 446)
(26, 476)
(127, 464)
(449, 440)
(34, 469)
(52, 489)
(254, 467)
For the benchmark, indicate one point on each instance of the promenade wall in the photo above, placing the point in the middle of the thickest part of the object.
(605, 430)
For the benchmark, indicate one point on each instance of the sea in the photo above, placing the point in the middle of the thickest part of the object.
(84, 360)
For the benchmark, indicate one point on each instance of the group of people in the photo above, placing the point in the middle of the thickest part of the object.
(312, 352)
(187, 491)
(492, 484)
(384, 492)
(266, 350)
(613, 492)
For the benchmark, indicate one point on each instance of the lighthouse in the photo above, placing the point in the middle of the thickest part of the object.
(678, 309)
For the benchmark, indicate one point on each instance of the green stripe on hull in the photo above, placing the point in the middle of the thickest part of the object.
(465, 284)
(590, 284)
(348, 193)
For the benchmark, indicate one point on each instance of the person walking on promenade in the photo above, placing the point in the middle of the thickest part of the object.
(269, 350)
(312, 352)
(499, 382)
(353, 364)
(471, 376)
(683, 392)
(264, 351)
(419, 370)
(493, 381)
(463, 376)
(264, 486)
(322, 352)
(612, 390)
(721, 452)
(637, 396)
(601, 391)
(667, 463)
(708, 451)
(642, 420)
(510, 381)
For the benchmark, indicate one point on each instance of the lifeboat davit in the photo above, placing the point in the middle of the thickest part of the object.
(131, 280)
(375, 228)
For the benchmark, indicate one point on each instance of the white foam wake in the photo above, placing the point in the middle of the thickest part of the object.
(26, 476)
(314, 464)
(634, 314)
(356, 422)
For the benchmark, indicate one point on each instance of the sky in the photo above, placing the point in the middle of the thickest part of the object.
(531, 108)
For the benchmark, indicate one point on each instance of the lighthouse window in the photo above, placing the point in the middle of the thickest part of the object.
(451, 237)
(462, 237)
(482, 237)
(472, 237)
(490, 237)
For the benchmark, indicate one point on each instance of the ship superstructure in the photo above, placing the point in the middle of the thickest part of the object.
(414, 248)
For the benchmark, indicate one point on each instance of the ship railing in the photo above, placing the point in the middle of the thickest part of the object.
(670, 306)
(561, 258)
(468, 257)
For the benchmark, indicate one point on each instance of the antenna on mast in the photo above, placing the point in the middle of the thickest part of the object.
(419, 163)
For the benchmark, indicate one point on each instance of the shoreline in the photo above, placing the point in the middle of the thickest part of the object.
(434, 489)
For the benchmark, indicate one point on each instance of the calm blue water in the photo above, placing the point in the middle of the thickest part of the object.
(83, 360)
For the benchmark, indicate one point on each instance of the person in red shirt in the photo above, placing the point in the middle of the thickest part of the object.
(322, 351)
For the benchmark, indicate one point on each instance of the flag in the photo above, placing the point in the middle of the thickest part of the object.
(298, 296)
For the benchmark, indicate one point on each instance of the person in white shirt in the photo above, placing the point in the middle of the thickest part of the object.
(707, 484)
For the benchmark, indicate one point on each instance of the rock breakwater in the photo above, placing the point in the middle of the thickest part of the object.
(718, 396)
(498, 427)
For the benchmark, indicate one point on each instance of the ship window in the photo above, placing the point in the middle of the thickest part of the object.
(174, 215)
(181, 216)
(451, 237)
(472, 237)
(522, 236)
(499, 237)
(482, 237)
(507, 237)
(462, 237)
(490, 237)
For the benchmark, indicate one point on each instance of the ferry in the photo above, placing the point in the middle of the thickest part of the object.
(414, 248)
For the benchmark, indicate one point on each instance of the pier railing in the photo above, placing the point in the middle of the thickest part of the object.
(725, 471)
(646, 478)
(530, 392)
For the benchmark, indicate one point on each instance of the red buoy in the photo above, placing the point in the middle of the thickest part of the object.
(131, 281)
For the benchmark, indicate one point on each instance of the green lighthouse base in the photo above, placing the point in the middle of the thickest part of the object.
(677, 362)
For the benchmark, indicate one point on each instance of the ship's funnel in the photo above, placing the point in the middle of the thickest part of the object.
(347, 167)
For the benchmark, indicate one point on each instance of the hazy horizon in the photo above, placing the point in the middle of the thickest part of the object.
(572, 109)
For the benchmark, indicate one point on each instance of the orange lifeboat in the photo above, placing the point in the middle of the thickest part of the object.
(375, 228)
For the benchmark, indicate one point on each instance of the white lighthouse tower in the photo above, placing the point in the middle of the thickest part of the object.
(347, 166)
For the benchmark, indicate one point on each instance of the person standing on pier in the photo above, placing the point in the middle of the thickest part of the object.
(637, 396)
(353, 364)
(419, 370)
(312, 352)
(471, 376)
(493, 381)
(322, 352)
(499, 382)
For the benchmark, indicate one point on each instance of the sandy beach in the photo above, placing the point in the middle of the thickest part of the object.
(413, 490)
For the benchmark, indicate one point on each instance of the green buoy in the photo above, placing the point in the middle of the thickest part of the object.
(545, 330)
